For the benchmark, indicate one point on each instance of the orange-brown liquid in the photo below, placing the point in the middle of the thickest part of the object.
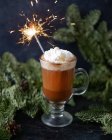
(57, 85)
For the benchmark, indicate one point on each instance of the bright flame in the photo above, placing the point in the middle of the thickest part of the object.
(30, 30)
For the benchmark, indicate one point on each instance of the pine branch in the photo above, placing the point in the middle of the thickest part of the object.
(93, 114)
(20, 88)
(106, 121)
(64, 35)
(73, 15)
(93, 17)
(4, 134)
(97, 114)
(7, 112)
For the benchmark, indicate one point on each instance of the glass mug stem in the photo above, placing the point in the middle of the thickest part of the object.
(57, 116)
(56, 109)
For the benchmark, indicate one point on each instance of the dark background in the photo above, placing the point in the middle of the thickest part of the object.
(10, 19)
(33, 129)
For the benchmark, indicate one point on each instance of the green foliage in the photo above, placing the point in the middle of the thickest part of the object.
(71, 102)
(4, 134)
(70, 15)
(106, 121)
(95, 43)
(97, 114)
(6, 112)
(94, 113)
(93, 17)
(20, 88)
(65, 35)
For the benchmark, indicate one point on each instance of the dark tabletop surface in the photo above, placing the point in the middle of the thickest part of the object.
(34, 129)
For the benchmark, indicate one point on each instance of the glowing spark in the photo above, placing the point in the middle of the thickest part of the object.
(62, 18)
(32, 2)
(56, 1)
(48, 10)
(52, 44)
(51, 19)
(11, 32)
(36, 1)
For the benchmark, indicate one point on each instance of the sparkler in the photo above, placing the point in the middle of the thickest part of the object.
(32, 29)
(35, 28)
(39, 43)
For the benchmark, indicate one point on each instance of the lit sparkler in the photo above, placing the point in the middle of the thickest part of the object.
(32, 29)
(35, 28)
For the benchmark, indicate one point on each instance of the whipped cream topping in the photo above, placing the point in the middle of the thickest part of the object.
(58, 56)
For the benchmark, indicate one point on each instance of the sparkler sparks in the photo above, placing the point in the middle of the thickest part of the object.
(56, 1)
(32, 2)
(30, 29)
(35, 28)
(48, 10)
(37, 1)
(12, 31)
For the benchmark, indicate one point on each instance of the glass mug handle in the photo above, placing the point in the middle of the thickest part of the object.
(83, 89)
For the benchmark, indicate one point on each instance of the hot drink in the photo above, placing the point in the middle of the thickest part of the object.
(57, 85)
(58, 72)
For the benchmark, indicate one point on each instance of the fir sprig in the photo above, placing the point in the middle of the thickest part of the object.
(20, 88)
(97, 114)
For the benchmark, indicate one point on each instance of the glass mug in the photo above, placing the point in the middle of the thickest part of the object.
(57, 89)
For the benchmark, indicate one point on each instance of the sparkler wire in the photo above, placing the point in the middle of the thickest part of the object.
(37, 40)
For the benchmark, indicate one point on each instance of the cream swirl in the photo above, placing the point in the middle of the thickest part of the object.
(58, 56)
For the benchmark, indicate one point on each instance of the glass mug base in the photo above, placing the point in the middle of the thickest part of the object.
(59, 121)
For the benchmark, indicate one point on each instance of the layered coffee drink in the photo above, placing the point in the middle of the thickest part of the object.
(57, 74)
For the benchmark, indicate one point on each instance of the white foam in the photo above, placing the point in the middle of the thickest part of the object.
(58, 56)
(58, 59)
(57, 67)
